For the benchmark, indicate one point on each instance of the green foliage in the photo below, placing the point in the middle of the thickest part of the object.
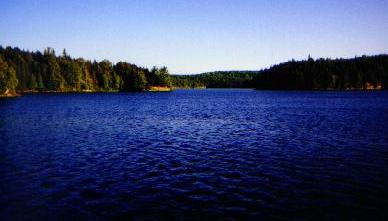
(138, 80)
(220, 79)
(72, 73)
(104, 71)
(32, 84)
(162, 78)
(39, 83)
(48, 72)
(133, 78)
(55, 81)
(24, 70)
(8, 80)
(326, 74)
(159, 77)
(310, 74)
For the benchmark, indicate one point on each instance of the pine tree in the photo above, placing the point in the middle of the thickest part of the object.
(8, 80)
(32, 83)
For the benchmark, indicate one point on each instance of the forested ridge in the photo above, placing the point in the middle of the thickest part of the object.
(366, 72)
(23, 71)
(36, 71)
(218, 79)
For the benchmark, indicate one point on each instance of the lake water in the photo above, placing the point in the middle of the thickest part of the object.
(194, 154)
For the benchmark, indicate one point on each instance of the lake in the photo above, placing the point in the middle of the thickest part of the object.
(194, 154)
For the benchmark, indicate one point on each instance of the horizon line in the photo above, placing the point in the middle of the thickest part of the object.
(197, 73)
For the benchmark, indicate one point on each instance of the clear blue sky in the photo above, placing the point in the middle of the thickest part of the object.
(197, 36)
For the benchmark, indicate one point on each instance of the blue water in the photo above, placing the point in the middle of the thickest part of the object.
(194, 154)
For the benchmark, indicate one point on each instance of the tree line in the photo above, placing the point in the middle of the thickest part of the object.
(36, 71)
(366, 72)
(218, 79)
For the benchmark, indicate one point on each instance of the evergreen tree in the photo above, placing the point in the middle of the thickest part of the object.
(162, 77)
(39, 82)
(32, 82)
(46, 71)
(8, 80)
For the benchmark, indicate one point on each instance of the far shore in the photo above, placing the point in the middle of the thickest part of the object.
(149, 89)
(159, 89)
(168, 89)
(9, 95)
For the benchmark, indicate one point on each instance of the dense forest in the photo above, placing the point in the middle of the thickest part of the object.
(366, 72)
(23, 71)
(35, 71)
(219, 79)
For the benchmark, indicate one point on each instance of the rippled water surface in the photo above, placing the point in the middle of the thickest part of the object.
(194, 154)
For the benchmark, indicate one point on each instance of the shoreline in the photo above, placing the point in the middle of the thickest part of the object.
(20, 93)
(8, 94)
(159, 89)
(166, 89)
(327, 89)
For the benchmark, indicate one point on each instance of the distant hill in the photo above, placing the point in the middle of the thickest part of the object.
(366, 72)
(36, 71)
(218, 79)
